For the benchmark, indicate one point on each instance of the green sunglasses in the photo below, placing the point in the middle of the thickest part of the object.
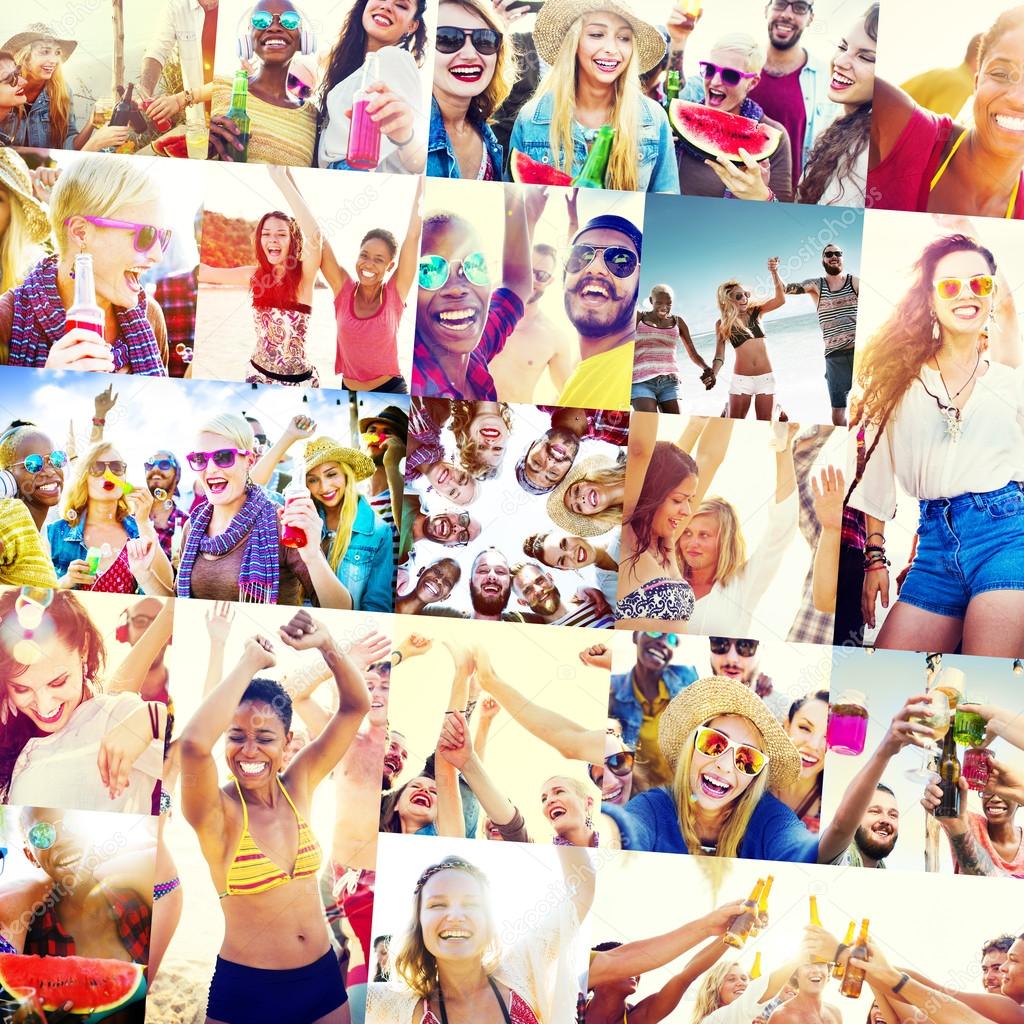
(43, 834)
(289, 20)
(435, 270)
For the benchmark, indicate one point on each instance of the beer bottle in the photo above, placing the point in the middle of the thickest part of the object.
(237, 113)
(762, 904)
(673, 86)
(739, 927)
(817, 921)
(593, 171)
(853, 978)
(840, 969)
(949, 779)
(123, 111)
(755, 971)
(84, 313)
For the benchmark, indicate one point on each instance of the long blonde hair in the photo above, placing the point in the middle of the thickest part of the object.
(560, 82)
(14, 246)
(58, 94)
(349, 507)
(463, 414)
(708, 1000)
(76, 497)
(732, 548)
(740, 810)
(733, 319)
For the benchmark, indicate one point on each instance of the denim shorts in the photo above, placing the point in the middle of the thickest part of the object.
(966, 546)
(839, 377)
(663, 388)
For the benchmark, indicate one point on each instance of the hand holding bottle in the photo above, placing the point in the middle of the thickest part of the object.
(107, 137)
(931, 800)
(392, 115)
(79, 574)
(819, 944)
(80, 350)
(225, 139)
(680, 23)
(717, 922)
(301, 513)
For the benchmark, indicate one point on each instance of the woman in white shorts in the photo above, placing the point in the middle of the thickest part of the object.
(740, 326)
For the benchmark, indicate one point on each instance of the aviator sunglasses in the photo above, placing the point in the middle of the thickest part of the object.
(34, 463)
(435, 270)
(620, 261)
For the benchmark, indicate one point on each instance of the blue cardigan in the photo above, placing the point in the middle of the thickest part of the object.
(649, 822)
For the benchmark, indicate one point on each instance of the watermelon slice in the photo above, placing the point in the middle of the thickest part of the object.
(720, 134)
(173, 145)
(89, 983)
(528, 171)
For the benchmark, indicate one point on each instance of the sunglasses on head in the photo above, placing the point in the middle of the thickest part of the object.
(620, 261)
(100, 466)
(223, 457)
(451, 39)
(164, 465)
(146, 235)
(670, 638)
(35, 463)
(262, 20)
(712, 743)
(952, 287)
(435, 270)
(300, 88)
(744, 648)
(729, 76)
(12, 78)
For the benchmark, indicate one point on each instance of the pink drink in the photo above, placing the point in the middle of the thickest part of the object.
(84, 325)
(975, 768)
(847, 724)
(85, 313)
(364, 135)
(294, 536)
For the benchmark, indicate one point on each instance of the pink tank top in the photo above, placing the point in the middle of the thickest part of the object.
(367, 346)
(654, 354)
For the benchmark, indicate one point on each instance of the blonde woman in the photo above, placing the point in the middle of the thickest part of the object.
(481, 431)
(473, 74)
(597, 50)
(110, 209)
(728, 995)
(740, 325)
(98, 514)
(588, 502)
(27, 226)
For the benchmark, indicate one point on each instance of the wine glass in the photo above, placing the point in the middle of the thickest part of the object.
(938, 718)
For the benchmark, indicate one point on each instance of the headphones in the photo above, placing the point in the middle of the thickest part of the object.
(307, 36)
(121, 632)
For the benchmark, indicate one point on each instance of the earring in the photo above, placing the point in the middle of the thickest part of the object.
(935, 328)
(70, 515)
(588, 821)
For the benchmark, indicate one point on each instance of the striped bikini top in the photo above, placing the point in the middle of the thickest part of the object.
(252, 871)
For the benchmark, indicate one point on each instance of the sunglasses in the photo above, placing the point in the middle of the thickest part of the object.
(12, 79)
(800, 7)
(43, 834)
(670, 638)
(262, 20)
(450, 39)
(164, 465)
(146, 235)
(730, 76)
(541, 276)
(952, 287)
(739, 296)
(34, 463)
(833, 252)
(620, 261)
(223, 457)
(141, 621)
(300, 88)
(100, 466)
(744, 648)
(435, 270)
(620, 764)
(712, 743)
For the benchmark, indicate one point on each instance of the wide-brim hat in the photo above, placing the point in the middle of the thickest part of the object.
(15, 177)
(716, 695)
(36, 33)
(556, 17)
(398, 418)
(564, 518)
(326, 449)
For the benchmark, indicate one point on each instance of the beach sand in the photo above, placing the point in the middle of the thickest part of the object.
(179, 994)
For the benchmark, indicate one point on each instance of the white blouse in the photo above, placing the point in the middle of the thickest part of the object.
(61, 770)
(918, 451)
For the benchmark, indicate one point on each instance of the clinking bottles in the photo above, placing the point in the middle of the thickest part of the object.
(85, 313)
(123, 110)
(595, 168)
(294, 536)
(853, 979)
(364, 134)
(817, 921)
(840, 968)
(238, 113)
(949, 779)
(762, 904)
(739, 927)
(755, 970)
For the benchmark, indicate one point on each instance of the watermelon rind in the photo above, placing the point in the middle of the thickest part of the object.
(720, 134)
(528, 171)
(91, 984)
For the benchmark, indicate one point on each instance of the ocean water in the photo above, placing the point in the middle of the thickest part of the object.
(797, 355)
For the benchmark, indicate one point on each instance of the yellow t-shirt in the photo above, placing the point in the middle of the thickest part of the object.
(944, 90)
(23, 560)
(601, 382)
(277, 135)
(656, 767)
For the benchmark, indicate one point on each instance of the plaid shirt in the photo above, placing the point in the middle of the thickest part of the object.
(131, 916)
(611, 425)
(428, 379)
(809, 625)
(176, 296)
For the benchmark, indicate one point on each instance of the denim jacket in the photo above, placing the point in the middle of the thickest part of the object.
(624, 706)
(67, 540)
(441, 159)
(657, 170)
(369, 563)
(34, 129)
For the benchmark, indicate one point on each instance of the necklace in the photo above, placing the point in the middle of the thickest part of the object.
(954, 426)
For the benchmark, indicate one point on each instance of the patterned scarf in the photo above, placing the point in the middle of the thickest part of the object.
(255, 520)
(748, 108)
(40, 322)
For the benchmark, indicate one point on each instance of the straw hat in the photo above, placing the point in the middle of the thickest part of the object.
(556, 17)
(15, 178)
(39, 32)
(713, 696)
(564, 518)
(326, 449)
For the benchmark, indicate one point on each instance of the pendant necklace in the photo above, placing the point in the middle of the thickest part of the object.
(951, 414)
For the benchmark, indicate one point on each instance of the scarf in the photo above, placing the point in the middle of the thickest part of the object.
(561, 841)
(40, 322)
(255, 520)
(748, 108)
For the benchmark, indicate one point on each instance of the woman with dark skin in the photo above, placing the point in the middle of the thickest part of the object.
(21, 450)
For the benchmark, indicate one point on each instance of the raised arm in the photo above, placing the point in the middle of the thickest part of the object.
(779, 298)
(809, 287)
(450, 820)
(711, 448)
(658, 1006)
(299, 428)
(578, 872)
(409, 254)
(516, 262)
(312, 236)
(237, 276)
(130, 675)
(643, 436)
(218, 626)
(828, 507)
(456, 748)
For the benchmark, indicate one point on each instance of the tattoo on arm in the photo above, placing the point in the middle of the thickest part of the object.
(795, 289)
(675, 61)
(973, 860)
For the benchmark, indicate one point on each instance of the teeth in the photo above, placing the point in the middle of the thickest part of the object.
(714, 785)
(841, 79)
(1013, 124)
(52, 717)
(455, 933)
(251, 767)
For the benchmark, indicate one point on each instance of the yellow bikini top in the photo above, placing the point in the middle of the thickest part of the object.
(945, 164)
(252, 871)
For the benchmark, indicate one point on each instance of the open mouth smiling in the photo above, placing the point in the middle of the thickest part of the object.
(594, 292)
(713, 786)
(422, 799)
(456, 319)
(555, 812)
(1010, 123)
(216, 484)
(840, 81)
(607, 65)
(381, 19)
(252, 768)
(51, 718)
(468, 73)
(966, 310)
